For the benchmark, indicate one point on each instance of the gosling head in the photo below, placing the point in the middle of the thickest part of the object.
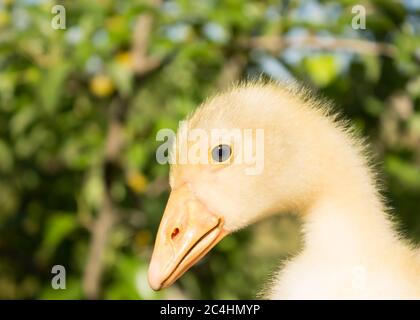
(258, 152)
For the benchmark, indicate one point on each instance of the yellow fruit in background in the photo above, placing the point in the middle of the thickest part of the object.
(101, 86)
(125, 59)
(137, 181)
(4, 18)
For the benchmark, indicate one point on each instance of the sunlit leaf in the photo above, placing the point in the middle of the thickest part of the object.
(322, 69)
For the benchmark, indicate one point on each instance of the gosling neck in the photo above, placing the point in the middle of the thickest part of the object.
(348, 216)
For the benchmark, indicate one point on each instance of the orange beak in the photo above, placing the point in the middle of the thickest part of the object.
(188, 230)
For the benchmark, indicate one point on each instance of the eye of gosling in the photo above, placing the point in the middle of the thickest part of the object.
(221, 152)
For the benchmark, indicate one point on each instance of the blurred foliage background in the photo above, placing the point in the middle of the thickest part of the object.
(80, 108)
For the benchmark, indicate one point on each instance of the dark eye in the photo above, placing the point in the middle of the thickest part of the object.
(221, 153)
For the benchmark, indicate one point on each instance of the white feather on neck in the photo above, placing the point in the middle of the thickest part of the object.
(350, 248)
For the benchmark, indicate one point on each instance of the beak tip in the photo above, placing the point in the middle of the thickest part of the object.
(153, 279)
(155, 287)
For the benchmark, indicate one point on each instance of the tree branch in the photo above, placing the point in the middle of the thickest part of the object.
(232, 70)
(107, 215)
(114, 144)
(100, 233)
(276, 44)
(143, 63)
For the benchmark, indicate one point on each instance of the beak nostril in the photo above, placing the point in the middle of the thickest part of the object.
(174, 233)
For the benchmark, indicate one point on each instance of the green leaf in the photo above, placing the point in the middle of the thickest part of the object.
(406, 173)
(58, 227)
(93, 189)
(52, 86)
(6, 157)
(373, 67)
(322, 69)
